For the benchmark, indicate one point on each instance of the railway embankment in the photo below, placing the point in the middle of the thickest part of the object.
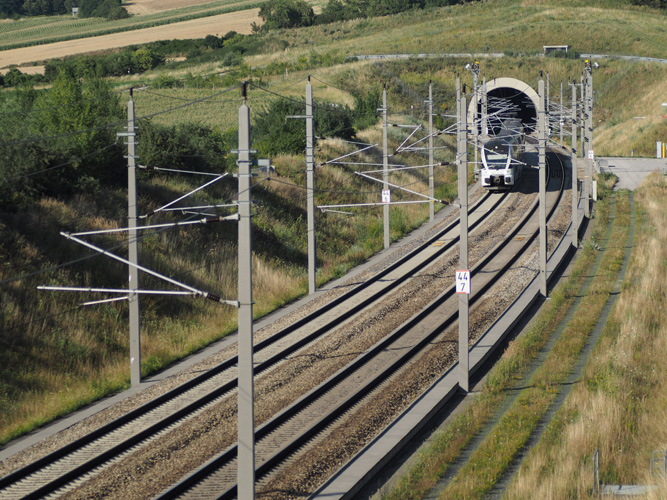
(483, 452)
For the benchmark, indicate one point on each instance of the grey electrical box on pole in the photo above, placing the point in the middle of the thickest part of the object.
(246, 412)
(385, 167)
(542, 146)
(310, 191)
(575, 173)
(133, 249)
(462, 155)
(430, 153)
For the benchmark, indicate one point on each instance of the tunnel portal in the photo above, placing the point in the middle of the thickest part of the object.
(506, 97)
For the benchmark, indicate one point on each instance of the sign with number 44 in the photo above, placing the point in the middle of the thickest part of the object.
(463, 281)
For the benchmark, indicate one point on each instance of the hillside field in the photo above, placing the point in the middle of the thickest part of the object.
(239, 21)
(139, 7)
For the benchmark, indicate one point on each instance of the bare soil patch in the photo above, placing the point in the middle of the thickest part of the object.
(152, 6)
(30, 70)
(198, 28)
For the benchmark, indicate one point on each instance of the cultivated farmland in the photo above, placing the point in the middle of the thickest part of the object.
(239, 21)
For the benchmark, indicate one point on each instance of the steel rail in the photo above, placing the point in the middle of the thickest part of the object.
(182, 488)
(76, 472)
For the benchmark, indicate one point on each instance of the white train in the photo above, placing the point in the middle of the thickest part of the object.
(502, 155)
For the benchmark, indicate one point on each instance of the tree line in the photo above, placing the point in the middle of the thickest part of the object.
(279, 14)
(62, 140)
(109, 9)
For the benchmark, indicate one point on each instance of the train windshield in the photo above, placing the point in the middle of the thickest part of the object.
(496, 155)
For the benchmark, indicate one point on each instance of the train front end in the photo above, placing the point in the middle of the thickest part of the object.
(498, 170)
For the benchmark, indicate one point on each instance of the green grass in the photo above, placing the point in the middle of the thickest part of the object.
(56, 356)
(617, 408)
(515, 426)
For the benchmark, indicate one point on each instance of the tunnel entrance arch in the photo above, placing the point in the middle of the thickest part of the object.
(506, 96)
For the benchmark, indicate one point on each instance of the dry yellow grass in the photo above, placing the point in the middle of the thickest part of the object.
(618, 407)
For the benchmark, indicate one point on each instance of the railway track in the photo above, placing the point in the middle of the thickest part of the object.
(72, 465)
(111, 442)
(315, 414)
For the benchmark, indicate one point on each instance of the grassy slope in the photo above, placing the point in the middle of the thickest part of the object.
(55, 356)
(34, 395)
(618, 406)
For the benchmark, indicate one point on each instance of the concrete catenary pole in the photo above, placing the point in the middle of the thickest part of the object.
(462, 155)
(542, 145)
(385, 166)
(310, 191)
(589, 126)
(485, 109)
(246, 412)
(582, 116)
(562, 113)
(584, 148)
(133, 249)
(575, 172)
(431, 181)
(475, 100)
(547, 98)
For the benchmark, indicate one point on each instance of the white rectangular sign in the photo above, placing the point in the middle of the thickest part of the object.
(386, 196)
(463, 281)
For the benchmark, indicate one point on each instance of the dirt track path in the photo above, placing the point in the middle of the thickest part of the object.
(198, 28)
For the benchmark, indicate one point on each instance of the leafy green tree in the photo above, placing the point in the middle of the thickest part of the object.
(185, 146)
(278, 14)
(110, 9)
(60, 137)
(10, 7)
(333, 11)
(14, 77)
(214, 42)
(658, 4)
(274, 133)
(146, 58)
(396, 6)
(43, 7)
(365, 108)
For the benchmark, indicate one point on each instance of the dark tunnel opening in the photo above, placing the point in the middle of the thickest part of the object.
(508, 102)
